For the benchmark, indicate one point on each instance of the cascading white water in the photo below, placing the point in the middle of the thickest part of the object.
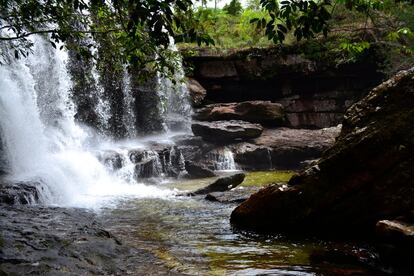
(43, 142)
(176, 107)
(129, 116)
(103, 108)
(223, 160)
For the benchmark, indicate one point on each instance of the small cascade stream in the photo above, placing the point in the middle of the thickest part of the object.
(223, 160)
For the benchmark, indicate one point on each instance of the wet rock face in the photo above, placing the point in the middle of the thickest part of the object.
(55, 241)
(264, 112)
(3, 161)
(365, 177)
(281, 148)
(20, 193)
(198, 170)
(226, 131)
(111, 159)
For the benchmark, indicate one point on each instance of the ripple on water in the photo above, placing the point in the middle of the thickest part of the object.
(194, 236)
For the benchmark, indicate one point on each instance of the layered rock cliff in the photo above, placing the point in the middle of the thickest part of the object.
(367, 176)
(314, 91)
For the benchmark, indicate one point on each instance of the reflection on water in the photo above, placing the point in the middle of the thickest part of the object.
(193, 236)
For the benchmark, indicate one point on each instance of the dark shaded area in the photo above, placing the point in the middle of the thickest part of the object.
(365, 177)
(315, 92)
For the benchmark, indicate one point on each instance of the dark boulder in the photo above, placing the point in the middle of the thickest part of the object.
(22, 193)
(264, 112)
(222, 184)
(198, 170)
(111, 159)
(147, 163)
(396, 231)
(367, 176)
(396, 240)
(226, 131)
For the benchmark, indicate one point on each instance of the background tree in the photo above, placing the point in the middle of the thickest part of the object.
(143, 29)
(233, 8)
(254, 5)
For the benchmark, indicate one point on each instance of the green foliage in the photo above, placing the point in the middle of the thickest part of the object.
(354, 48)
(230, 31)
(141, 29)
(302, 17)
(233, 8)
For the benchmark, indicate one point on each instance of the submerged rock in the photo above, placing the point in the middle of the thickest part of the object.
(367, 176)
(226, 131)
(222, 184)
(264, 112)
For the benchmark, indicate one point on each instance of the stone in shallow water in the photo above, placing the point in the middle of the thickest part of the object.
(226, 131)
(237, 195)
(222, 184)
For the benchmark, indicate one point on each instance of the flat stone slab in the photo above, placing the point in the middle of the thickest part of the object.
(226, 131)
(251, 111)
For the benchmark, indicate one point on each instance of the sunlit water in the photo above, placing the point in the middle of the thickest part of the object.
(194, 237)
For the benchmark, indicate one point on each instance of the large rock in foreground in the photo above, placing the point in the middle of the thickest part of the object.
(226, 131)
(367, 176)
(252, 111)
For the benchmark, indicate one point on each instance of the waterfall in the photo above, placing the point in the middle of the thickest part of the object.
(223, 160)
(177, 110)
(43, 142)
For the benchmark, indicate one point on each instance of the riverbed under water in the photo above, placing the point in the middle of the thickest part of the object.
(193, 236)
